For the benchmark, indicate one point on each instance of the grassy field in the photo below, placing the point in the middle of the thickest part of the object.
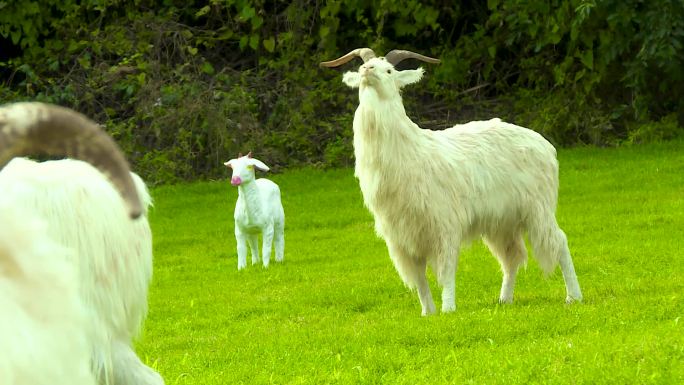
(336, 312)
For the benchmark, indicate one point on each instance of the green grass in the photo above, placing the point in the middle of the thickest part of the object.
(336, 312)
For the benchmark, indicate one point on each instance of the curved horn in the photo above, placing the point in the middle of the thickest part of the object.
(364, 53)
(39, 128)
(397, 55)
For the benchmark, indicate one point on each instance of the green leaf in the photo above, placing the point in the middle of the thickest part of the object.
(492, 51)
(203, 11)
(247, 13)
(574, 32)
(431, 15)
(74, 46)
(53, 65)
(225, 34)
(587, 58)
(269, 44)
(257, 21)
(532, 29)
(16, 36)
(84, 61)
(403, 28)
(207, 68)
(254, 41)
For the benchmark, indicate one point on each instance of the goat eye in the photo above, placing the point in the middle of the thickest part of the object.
(389, 71)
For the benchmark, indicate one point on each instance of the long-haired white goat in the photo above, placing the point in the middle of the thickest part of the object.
(104, 255)
(45, 333)
(431, 191)
(258, 210)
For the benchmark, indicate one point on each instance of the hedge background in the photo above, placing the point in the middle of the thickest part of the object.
(186, 85)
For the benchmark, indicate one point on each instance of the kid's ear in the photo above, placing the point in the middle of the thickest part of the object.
(406, 77)
(352, 79)
(258, 164)
(229, 163)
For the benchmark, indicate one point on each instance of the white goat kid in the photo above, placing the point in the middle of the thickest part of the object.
(50, 330)
(258, 210)
(431, 191)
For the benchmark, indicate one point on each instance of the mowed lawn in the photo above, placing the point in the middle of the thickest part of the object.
(336, 312)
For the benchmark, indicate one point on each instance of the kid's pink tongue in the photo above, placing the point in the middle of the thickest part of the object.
(235, 181)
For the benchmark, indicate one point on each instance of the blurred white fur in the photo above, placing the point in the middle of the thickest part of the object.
(110, 255)
(43, 315)
(432, 191)
(258, 210)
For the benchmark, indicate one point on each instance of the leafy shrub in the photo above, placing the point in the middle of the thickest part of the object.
(665, 129)
(183, 86)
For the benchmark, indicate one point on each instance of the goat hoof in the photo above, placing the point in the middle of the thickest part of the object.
(428, 311)
(570, 300)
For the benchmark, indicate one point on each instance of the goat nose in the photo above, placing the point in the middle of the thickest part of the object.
(235, 181)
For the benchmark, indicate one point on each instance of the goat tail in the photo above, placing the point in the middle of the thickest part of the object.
(548, 242)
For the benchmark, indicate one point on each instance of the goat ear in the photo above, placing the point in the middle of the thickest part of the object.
(229, 163)
(406, 77)
(258, 164)
(352, 79)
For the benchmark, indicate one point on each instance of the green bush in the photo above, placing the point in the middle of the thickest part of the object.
(183, 86)
(666, 128)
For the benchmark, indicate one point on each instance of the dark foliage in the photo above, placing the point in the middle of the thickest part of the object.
(186, 85)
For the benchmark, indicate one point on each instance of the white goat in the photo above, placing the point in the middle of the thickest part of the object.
(45, 333)
(113, 255)
(258, 210)
(110, 255)
(431, 191)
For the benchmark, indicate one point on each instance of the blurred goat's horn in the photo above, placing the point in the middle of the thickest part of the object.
(364, 53)
(249, 154)
(45, 129)
(397, 55)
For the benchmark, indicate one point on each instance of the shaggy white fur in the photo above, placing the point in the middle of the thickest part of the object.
(432, 191)
(74, 269)
(112, 254)
(258, 210)
(42, 315)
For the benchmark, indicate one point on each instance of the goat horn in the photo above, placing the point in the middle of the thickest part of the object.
(364, 53)
(249, 154)
(38, 128)
(397, 55)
